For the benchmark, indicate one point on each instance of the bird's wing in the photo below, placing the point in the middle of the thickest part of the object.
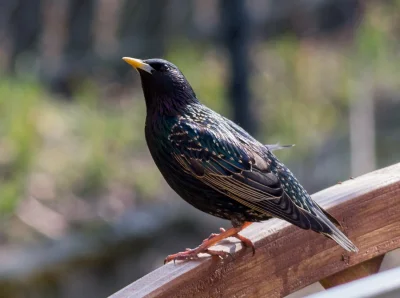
(224, 163)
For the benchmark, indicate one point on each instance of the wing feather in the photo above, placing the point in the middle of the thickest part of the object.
(234, 170)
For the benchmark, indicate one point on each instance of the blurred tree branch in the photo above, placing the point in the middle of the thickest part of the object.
(236, 37)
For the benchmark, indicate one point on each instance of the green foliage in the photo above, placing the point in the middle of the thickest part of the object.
(204, 69)
(304, 87)
(18, 139)
(81, 147)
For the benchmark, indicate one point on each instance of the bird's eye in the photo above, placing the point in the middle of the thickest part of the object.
(164, 67)
(161, 67)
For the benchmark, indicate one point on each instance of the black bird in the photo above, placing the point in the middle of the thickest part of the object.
(217, 167)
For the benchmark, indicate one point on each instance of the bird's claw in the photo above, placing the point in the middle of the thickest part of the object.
(219, 253)
(246, 242)
(193, 254)
(188, 254)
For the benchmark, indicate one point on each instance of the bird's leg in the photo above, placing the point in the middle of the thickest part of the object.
(190, 254)
(245, 241)
(212, 235)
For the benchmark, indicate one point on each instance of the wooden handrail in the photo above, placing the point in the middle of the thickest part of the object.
(386, 284)
(288, 258)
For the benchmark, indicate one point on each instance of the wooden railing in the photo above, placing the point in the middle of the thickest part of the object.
(288, 258)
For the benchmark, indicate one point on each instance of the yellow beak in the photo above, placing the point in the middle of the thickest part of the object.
(138, 64)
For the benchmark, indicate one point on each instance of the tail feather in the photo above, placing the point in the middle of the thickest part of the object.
(316, 219)
(335, 234)
(330, 217)
(343, 241)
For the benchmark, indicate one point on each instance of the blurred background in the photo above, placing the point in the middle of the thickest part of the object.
(83, 209)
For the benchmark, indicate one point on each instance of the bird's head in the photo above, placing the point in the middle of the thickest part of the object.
(163, 83)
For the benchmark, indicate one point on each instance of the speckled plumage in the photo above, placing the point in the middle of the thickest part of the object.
(216, 166)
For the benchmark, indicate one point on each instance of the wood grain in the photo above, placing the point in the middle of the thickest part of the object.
(288, 258)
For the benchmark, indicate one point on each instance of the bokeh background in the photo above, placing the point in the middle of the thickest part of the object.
(83, 209)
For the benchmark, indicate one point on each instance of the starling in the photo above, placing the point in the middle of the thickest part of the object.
(217, 167)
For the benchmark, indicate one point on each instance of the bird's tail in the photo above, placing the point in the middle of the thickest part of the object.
(334, 233)
(319, 221)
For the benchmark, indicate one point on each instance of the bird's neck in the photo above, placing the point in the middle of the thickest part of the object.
(158, 119)
(169, 106)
